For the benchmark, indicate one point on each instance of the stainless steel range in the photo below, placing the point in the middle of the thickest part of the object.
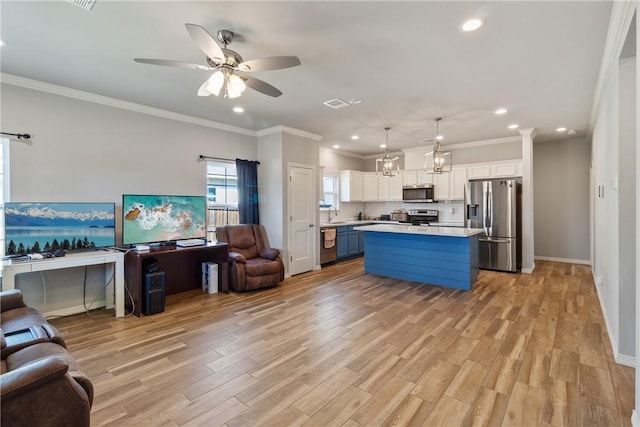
(422, 216)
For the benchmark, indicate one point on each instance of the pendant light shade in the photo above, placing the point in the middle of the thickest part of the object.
(387, 165)
(438, 161)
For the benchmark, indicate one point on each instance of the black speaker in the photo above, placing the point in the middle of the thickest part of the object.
(154, 292)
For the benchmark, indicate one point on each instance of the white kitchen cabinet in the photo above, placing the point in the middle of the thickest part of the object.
(351, 186)
(457, 181)
(441, 185)
(417, 177)
(395, 187)
(501, 170)
(494, 170)
(479, 171)
(370, 186)
(383, 187)
(410, 177)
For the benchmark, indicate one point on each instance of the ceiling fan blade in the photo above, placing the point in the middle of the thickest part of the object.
(202, 90)
(205, 41)
(261, 86)
(269, 63)
(171, 63)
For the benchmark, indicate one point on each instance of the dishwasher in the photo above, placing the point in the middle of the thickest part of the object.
(327, 254)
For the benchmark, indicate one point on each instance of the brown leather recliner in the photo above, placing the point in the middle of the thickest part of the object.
(252, 264)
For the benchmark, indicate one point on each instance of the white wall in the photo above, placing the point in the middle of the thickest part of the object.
(615, 144)
(334, 161)
(561, 199)
(84, 151)
(627, 182)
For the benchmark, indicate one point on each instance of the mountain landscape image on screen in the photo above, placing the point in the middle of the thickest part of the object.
(45, 227)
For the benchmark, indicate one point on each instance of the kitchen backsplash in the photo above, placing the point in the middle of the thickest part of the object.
(451, 211)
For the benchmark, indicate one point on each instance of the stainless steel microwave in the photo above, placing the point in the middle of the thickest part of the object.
(418, 193)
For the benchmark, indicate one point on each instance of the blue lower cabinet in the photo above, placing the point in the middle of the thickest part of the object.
(353, 242)
(349, 242)
(342, 242)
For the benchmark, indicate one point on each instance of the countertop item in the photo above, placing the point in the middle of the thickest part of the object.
(416, 229)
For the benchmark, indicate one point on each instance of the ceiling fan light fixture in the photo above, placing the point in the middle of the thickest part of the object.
(234, 86)
(215, 83)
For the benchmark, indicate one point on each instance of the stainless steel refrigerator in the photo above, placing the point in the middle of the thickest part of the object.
(495, 206)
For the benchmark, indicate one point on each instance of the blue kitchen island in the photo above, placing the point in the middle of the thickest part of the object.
(443, 256)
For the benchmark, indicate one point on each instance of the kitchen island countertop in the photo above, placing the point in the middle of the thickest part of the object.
(417, 229)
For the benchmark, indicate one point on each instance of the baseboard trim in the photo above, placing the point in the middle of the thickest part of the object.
(73, 310)
(621, 359)
(565, 260)
(635, 418)
(528, 270)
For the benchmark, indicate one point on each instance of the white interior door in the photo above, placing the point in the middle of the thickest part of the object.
(302, 208)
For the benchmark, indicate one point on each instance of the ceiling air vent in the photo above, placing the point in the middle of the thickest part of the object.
(85, 4)
(336, 103)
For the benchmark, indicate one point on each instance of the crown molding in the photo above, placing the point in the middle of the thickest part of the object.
(292, 131)
(81, 95)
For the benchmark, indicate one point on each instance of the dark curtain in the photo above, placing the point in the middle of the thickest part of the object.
(247, 171)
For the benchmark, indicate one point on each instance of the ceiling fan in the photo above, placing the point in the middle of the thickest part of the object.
(228, 66)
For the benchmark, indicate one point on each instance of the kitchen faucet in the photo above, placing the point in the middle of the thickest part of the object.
(335, 212)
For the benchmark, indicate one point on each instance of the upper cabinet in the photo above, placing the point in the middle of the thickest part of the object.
(370, 186)
(351, 186)
(458, 181)
(494, 170)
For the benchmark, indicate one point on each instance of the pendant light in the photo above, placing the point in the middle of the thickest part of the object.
(387, 165)
(438, 161)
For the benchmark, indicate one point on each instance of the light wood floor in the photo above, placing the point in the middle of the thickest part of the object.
(338, 347)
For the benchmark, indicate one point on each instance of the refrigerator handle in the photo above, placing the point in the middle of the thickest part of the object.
(485, 221)
(490, 208)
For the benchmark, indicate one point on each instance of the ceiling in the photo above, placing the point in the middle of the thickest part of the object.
(407, 61)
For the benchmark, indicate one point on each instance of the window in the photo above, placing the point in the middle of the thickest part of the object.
(222, 193)
(329, 192)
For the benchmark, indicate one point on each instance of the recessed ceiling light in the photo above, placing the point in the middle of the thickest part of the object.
(336, 146)
(354, 137)
(471, 24)
(561, 129)
(501, 111)
(383, 145)
(355, 101)
(513, 126)
(238, 109)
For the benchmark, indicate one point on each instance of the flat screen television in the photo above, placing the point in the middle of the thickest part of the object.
(154, 219)
(33, 227)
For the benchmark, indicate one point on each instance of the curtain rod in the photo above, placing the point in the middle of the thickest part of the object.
(21, 136)
(202, 157)
(220, 159)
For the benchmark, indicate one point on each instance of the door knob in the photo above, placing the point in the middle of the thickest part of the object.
(311, 225)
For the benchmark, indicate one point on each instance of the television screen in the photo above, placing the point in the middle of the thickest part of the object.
(46, 227)
(150, 219)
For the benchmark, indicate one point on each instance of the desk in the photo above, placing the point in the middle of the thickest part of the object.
(182, 268)
(12, 268)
